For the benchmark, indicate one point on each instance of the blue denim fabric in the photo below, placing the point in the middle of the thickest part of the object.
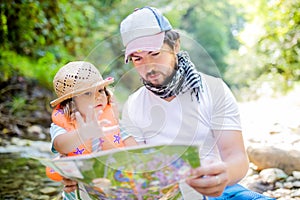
(238, 192)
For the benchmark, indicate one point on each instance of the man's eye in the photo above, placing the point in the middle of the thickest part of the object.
(88, 93)
(155, 53)
(135, 59)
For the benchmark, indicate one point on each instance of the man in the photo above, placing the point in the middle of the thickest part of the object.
(178, 103)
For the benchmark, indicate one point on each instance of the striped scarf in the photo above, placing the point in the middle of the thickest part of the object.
(185, 78)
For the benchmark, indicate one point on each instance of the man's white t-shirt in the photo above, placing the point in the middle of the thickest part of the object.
(152, 120)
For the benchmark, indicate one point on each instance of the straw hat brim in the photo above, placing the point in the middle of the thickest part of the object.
(78, 92)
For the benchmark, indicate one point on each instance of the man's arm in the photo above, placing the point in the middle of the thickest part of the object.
(233, 154)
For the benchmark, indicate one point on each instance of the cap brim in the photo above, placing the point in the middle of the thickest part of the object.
(147, 43)
(77, 92)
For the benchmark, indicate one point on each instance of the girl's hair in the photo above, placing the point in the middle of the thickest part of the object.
(70, 108)
(171, 37)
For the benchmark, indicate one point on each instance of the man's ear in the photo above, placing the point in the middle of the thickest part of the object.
(177, 46)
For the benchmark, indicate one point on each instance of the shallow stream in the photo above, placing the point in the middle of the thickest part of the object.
(21, 176)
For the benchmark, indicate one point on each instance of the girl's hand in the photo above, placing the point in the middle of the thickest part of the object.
(91, 127)
(69, 185)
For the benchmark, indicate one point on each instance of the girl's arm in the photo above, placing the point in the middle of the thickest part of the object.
(130, 141)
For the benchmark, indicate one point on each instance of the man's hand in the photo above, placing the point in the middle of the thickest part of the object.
(210, 179)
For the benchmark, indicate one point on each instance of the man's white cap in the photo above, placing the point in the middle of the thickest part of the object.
(143, 30)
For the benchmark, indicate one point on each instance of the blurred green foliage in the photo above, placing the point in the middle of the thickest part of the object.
(37, 37)
(17, 104)
(267, 61)
(212, 24)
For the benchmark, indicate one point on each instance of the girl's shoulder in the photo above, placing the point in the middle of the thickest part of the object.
(58, 117)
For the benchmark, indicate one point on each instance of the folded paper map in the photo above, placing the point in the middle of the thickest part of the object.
(140, 172)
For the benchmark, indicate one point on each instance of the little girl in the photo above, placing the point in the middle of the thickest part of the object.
(82, 110)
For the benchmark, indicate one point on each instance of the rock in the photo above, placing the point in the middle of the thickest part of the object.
(290, 179)
(48, 190)
(20, 142)
(30, 189)
(16, 184)
(282, 192)
(4, 171)
(296, 174)
(17, 130)
(35, 129)
(279, 185)
(295, 193)
(272, 174)
(43, 197)
(288, 185)
(31, 183)
(271, 157)
(273, 183)
(296, 184)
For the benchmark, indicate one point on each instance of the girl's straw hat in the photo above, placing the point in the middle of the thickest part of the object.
(76, 78)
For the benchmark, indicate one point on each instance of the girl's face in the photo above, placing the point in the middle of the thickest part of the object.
(96, 98)
(155, 66)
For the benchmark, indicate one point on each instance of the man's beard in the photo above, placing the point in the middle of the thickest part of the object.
(184, 78)
(166, 81)
(169, 78)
